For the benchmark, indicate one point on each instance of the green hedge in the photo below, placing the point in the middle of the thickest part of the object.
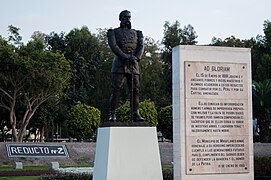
(165, 122)
(83, 121)
(147, 110)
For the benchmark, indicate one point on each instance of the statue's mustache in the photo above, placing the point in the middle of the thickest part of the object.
(127, 24)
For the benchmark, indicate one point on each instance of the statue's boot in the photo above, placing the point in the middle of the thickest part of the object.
(112, 116)
(137, 117)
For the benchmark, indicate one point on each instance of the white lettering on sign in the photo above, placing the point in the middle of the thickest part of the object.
(28, 150)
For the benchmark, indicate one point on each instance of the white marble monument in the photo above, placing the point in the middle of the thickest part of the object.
(212, 113)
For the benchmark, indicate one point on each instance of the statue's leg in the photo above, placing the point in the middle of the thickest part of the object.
(136, 87)
(116, 85)
(136, 92)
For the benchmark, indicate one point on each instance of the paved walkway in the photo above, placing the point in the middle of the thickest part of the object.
(262, 149)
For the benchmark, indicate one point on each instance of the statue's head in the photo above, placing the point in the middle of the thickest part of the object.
(125, 19)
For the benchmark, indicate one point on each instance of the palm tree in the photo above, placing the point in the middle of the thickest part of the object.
(262, 104)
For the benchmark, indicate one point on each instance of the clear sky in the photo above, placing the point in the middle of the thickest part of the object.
(210, 18)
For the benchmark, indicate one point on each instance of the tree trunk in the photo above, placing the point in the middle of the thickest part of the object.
(42, 134)
(14, 134)
(12, 119)
(46, 131)
(25, 121)
(2, 132)
(22, 130)
(27, 136)
(36, 135)
(13, 126)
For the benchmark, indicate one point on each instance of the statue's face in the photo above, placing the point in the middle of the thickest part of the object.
(126, 19)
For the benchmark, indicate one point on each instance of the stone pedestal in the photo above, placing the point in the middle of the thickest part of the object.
(124, 153)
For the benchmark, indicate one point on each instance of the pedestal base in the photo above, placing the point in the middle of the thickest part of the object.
(127, 153)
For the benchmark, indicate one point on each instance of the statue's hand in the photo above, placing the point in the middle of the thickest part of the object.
(132, 58)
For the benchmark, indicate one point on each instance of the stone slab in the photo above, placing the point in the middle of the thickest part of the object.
(212, 113)
(127, 153)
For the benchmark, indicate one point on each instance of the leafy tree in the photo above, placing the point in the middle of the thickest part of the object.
(174, 35)
(81, 47)
(262, 54)
(4, 124)
(261, 75)
(262, 105)
(91, 64)
(83, 121)
(232, 41)
(44, 119)
(165, 122)
(267, 36)
(29, 76)
(14, 35)
(82, 50)
(102, 84)
(151, 66)
(56, 42)
(147, 110)
(263, 68)
(189, 35)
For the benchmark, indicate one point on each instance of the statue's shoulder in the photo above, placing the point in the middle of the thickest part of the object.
(111, 32)
(139, 33)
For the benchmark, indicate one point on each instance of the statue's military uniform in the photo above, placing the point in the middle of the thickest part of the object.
(125, 43)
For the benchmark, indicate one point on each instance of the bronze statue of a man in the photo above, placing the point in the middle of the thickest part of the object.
(127, 44)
